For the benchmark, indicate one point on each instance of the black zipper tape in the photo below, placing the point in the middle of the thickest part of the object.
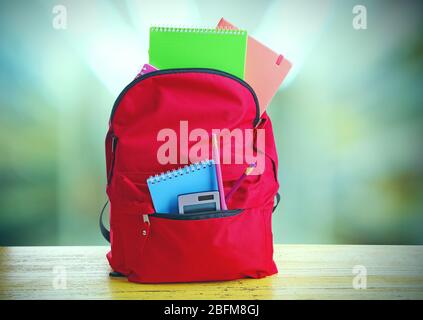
(186, 70)
(198, 216)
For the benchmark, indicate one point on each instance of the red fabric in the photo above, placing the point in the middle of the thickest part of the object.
(165, 250)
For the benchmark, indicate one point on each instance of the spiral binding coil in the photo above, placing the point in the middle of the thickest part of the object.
(179, 172)
(226, 31)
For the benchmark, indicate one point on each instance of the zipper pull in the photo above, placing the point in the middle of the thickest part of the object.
(146, 226)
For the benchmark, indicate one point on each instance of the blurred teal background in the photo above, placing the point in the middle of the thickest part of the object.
(348, 121)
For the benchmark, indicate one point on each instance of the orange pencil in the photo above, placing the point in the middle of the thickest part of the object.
(237, 184)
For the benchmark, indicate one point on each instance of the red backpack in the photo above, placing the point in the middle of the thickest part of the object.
(148, 247)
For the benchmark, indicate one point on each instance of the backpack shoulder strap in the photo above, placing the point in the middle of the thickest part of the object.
(278, 200)
(103, 229)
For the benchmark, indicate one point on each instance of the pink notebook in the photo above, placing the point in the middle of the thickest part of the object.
(147, 68)
(264, 69)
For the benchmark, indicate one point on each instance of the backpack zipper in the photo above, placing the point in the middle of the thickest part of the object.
(186, 70)
(198, 216)
(146, 225)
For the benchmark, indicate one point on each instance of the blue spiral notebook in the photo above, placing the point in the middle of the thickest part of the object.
(166, 187)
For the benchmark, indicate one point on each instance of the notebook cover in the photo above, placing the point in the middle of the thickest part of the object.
(264, 69)
(198, 48)
(166, 187)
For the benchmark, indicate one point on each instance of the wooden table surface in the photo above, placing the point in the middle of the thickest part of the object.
(305, 272)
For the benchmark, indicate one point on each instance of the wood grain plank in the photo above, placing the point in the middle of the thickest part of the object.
(306, 272)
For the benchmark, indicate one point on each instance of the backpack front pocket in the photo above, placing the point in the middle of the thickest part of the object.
(207, 246)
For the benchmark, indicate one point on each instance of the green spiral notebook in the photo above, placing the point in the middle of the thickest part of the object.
(219, 49)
